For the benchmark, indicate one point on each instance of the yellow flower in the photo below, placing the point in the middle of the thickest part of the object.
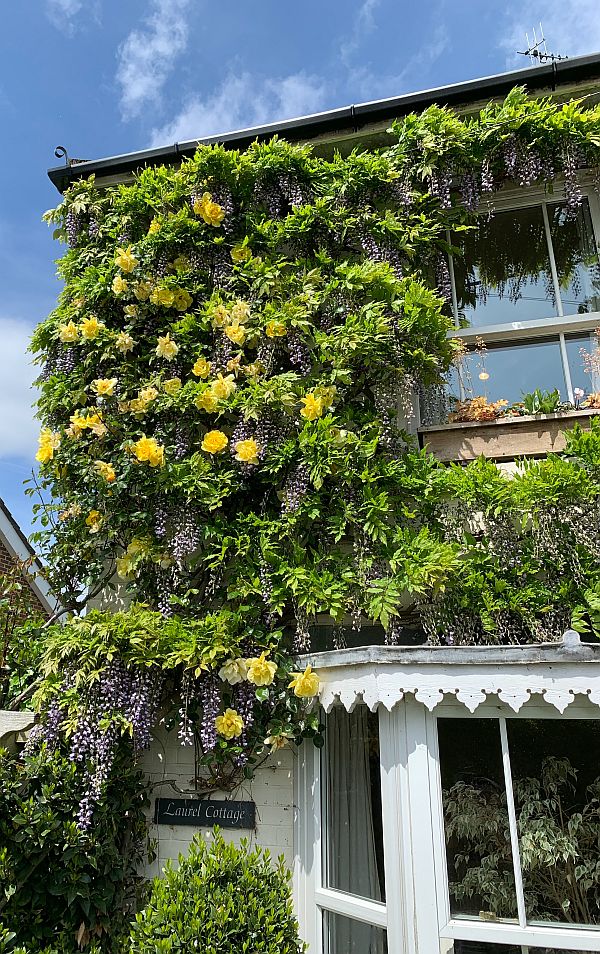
(124, 567)
(236, 332)
(124, 342)
(230, 725)
(201, 368)
(120, 285)
(241, 253)
(48, 441)
(104, 387)
(253, 370)
(172, 386)
(261, 672)
(223, 387)
(163, 296)
(211, 212)
(240, 311)
(94, 520)
(313, 407)
(207, 402)
(148, 394)
(234, 364)
(278, 741)
(105, 470)
(182, 299)
(68, 333)
(233, 671)
(326, 395)
(220, 316)
(305, 684)
(275, 329)
(247, 451)
(154, 227)
(96, 425)
(125, 259)
(142, 290)
(166, 348)
(147, 450)
(78, 424)
(214, 442)
(132, 311)
(91, 328)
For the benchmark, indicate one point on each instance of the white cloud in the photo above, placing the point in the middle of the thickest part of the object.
(64, 14)
(364, 24)
(243, 100)
(147, 55)
(18, 429)
(571, 28)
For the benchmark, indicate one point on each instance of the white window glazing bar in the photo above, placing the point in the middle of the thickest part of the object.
(320, 822)
(553, 269)
(567, 370)
(512, 822)
(350, 906)
(395, 851)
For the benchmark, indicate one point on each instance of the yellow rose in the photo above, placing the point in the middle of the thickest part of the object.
(234, 364)
(48, 441)
(211, 212)
(172, 386)
(166, 348)
(313, 407)
(236, 332)
(240, 311)
(241, 253)
(253, 370)
(202, 368)
(214, 442)
(124, 342)
(105, 470)
(275, 329)
(104, 387)
(163, 296)
(305, 684)
(182, 299)
(148, 394)
(233, 671)
(326, 395)
(154, 227)
(125, 259)
(91, 328)
(68, 333)
(261, 672)
(247, 451)
(142, 290)
(78, 424)
(207, 402)
(132, 311)
(223, 387)
(230, 725)
(220, 316)
(120, 285)
(278, 741)
(147, 450)
(96, 424)
(94, 520)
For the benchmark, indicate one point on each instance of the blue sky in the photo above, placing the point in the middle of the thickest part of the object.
(103, 77)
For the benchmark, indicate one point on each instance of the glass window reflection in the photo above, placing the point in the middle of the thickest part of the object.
(509, 372)
(576, 259)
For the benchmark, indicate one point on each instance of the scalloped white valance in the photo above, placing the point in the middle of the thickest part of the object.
(558, 673)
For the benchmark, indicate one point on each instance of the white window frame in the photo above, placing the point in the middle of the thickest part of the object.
(561, 324)
(416, 913)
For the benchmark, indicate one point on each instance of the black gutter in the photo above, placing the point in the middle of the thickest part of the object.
(347, 118)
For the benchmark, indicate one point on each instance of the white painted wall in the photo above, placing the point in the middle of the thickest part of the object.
(271, 790)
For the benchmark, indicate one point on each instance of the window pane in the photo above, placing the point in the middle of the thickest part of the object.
(556, 781)
(354, 833)
(510, 372)
(583, 351)
(482, 947)
(478, 851)
(346, 936)
(504, 274)
(576, 259)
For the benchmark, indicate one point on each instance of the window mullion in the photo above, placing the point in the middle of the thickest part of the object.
(512, 822)
(396, 851)
(553, 268)
(452, 281)
(566, 369)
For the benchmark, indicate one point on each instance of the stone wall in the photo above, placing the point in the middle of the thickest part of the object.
(271, 790)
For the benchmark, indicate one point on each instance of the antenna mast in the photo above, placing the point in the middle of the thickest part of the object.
(538, 51)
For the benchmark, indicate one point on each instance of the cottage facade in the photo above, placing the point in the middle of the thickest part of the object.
(389, 830)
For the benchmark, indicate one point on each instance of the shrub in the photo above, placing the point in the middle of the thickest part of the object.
(221, 900)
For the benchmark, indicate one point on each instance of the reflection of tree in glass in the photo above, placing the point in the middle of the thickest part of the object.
(559, 838)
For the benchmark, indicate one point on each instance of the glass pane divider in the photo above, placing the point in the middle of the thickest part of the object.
(351, 906)
(566, 368)
(553, 268)
(512, 822)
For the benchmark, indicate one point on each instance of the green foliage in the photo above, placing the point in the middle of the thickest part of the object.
(221, 900)
(541, 402)
(558, 839)
(20, 634)
(57, 885)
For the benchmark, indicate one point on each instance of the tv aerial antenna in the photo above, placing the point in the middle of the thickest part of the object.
(537, 51)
